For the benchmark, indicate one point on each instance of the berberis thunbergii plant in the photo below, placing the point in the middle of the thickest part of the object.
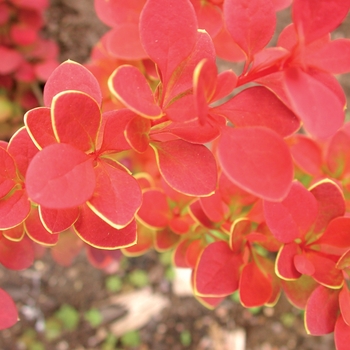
(145, 147)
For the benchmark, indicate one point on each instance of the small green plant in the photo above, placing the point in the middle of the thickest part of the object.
(94, 317)
(138, 278)
(131, 338)
(185, 338)
(114, 284)
(68, 316)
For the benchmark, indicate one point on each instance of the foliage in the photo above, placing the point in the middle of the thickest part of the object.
(150, 146)
(27, 60)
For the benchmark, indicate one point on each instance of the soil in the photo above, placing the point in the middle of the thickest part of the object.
(183, 323)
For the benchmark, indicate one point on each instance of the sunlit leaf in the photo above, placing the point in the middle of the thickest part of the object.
(168, 30)
(293, 217)
(314, 102)
(130, 86)
(99, 234)
(60, 177)
(257, 160)
(251, 23)
(326, 14)
(217, 271)
(39, 126)
(37, 232)
(117, 195)
(188, 168)
(76, 118)
(321, 311)
(8, 313)
(22, 149)
(257, 106)
(71, 76)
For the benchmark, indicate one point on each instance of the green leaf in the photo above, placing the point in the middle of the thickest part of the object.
(69, 317)
(131, 338)
(94, 317)
(185, 338)
(138, 278)
(113, 284)
(53, 329)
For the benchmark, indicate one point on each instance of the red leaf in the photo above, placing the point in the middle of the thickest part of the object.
(341, 334)
(204, 85)
(39, 126)
(238, 234)
(306, 153)
(8, 313)
(37, 232)
(112, 130)
(281, 4)
(199, 215)
(8, 173)
(22, 149)
(14, 209)
(257, 160)
(137, 133)
(338, 155)
(344, 304)
(182, 109)
(155, 210)
(67, 248)
(326, 271)
(117, 195)
(336, 235)
(165, 239)
(99, 234)
(226, 47)
(304, 265)
(299, 291)
(71, 76)
(130, 86)
(60, 177)
(182, 79)
(285, 262)
(179, 255)
(117, 11)
(10, 60)
(334, 57)
(330, 201)
(251, 23)
(314, 102)
(321, 311)
(56, 221)
(191, 131)
(16, 255)
(188, 168)
(168, 30)
(226, 82)
(15, 233)
(217, 271)
(76, 118)
(213, 207)
(293, 217)
(326, 15)
(253, 280)
(125, 47)
(257, 106)
(144, 242)
(209, 16)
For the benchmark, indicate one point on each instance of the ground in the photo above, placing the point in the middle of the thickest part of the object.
(146, 311)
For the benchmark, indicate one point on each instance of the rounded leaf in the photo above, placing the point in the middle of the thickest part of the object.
(60, 176)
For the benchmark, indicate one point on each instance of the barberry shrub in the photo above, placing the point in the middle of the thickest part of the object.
(27, 60)
(150, 146)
